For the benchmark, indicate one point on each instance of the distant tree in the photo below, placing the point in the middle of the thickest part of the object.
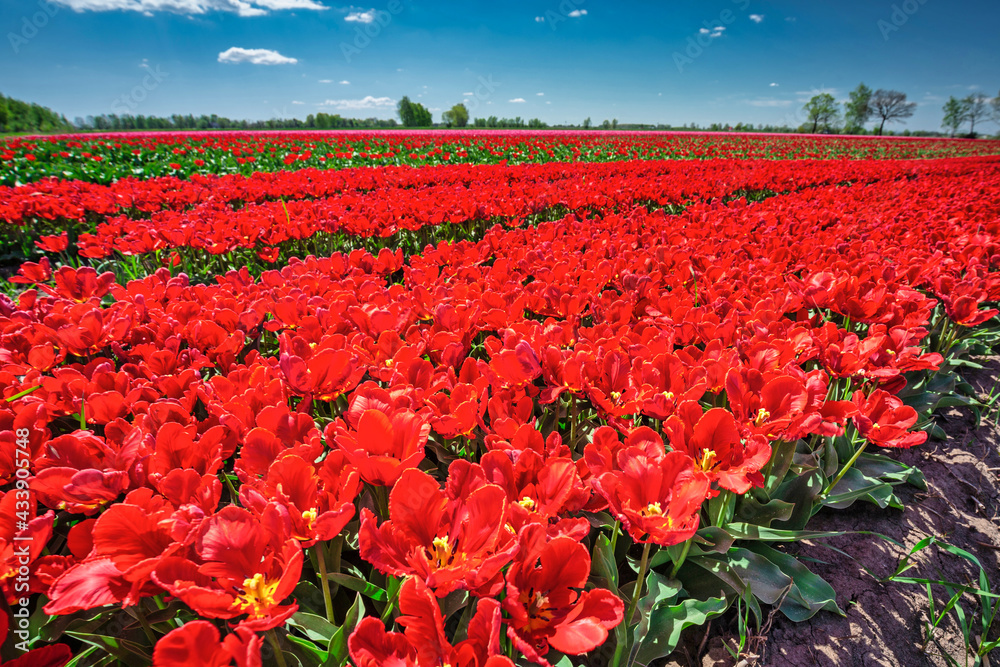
(976, 109)
(821, 109)
(586, 123)
(606, 124)
(421, 116)
(457, 116)
(891, 105)
(954, 114)
(614, 123)
(406, 112)
(995, 109)
(857, 109)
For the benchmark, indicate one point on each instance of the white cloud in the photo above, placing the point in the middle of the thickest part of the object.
(255, 57)
(517, 100)
(244, 8)
(362, 17)
(714, 33)
(539, 19)
(577, 13)
(756, 18)
(367, 102)
(345, 82)
(769, 102)
(791, 19)
(297, 102)
(468, 94)
(326, 80)
(540, 94)
(774, 85)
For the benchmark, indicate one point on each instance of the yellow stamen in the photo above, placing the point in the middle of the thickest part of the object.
(762, 416)
(258, 595)
(527, 503)
(443, 553)
(652, 509)
(708, 457)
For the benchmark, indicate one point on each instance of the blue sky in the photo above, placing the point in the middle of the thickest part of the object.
(670, 62)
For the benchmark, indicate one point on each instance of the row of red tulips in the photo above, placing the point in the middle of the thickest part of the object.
(220, 214)
(106, 158)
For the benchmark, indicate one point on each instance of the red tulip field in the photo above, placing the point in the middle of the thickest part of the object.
(481, 399)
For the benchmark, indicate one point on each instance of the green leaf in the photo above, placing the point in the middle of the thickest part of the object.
(360, 585)
(746, 531)
(924, 403)
(126, 651)
(80, 659)
(667, 622)
(802, 491)
(711, 539)
(603, 563)
(338, 643)
(854, 485)
(781, 460)
(308, 653)
(890, 470)
(314, 627)
(748, 510)
(660, 591)
(810, 591)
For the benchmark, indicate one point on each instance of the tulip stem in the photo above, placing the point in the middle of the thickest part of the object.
(633, 603)
(844, 470)
(614, 538)
(320, 553)
(637, 592)
(683, 556)
(572, 422)
(380, 495)
(272, 639)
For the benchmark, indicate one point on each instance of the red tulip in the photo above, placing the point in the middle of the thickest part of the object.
(545, 602)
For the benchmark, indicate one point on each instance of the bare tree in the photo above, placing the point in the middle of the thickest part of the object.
(891, 105)
(976, 109)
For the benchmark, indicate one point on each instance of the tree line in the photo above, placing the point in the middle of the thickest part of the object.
(320, 121)
(18, 116)
(863, 106)
(891, 106)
